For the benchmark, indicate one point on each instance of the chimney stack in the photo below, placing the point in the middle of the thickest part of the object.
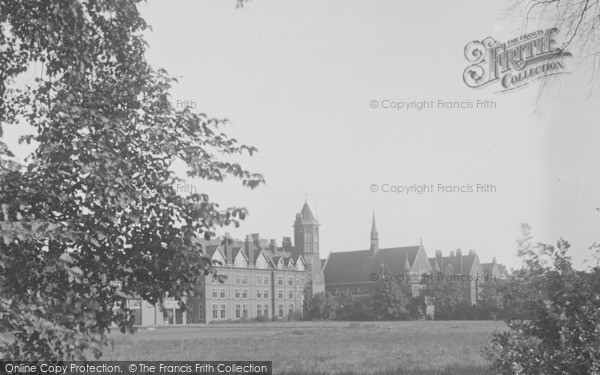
(494, 260)
(471, 252)
(273, 246)
(250, 250)
(228, 247)
(256, 239)
(286, 244)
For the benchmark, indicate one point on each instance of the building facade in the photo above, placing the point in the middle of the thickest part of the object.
(268, 281)
(260, 288)
(358, 272)
(466, 270)
(263, 280)
(146, 314)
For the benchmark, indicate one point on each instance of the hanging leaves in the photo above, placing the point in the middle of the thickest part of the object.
(96, 202)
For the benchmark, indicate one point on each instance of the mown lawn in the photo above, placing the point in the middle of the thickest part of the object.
(420, 347)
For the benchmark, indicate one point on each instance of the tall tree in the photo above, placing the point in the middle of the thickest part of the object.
(96, 201)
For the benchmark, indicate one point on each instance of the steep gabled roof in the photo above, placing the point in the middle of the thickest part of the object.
(266, 256)
(298, 258)
(237, 251)
(487, 268)
(279, 261)
(215, 253)
(203, 242)
(273, 259)
(503, 270)
(324, 262)
(357, 266)
(209, 250)
(209, 247)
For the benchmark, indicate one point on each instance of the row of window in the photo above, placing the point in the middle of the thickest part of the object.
(290, 294)
(241, 311)
(259, 294)
(264, 280)
(243, 279)
(280, 311)
(299, 280)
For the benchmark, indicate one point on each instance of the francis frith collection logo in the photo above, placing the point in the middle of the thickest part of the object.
(514, 63)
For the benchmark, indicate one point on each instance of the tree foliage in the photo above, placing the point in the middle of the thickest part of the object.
(321, 306)
(96, 201)
(447, 296)
(562, 335)
(491, 299)
(390, 301)
(351, 307)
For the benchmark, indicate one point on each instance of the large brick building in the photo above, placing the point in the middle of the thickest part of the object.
(357, 272)
(263, 279)
(268, 280)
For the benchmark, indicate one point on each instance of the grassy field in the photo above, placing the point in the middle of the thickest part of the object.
(420, 347)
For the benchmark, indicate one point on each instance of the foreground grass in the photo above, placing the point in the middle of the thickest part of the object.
(324, 348)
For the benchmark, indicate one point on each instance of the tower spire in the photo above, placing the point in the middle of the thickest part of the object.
(374, 236)
(306, 232)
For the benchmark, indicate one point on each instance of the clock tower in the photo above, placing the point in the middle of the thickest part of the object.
(306, 243)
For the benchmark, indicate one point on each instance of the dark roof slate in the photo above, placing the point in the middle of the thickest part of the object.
(357, 266)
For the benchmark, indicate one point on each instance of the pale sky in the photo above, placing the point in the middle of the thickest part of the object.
(296, 78)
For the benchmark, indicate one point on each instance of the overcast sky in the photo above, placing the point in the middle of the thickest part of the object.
(297, 78)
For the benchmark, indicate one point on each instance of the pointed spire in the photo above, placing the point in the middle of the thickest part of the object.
(374, 225)
(374, 236)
